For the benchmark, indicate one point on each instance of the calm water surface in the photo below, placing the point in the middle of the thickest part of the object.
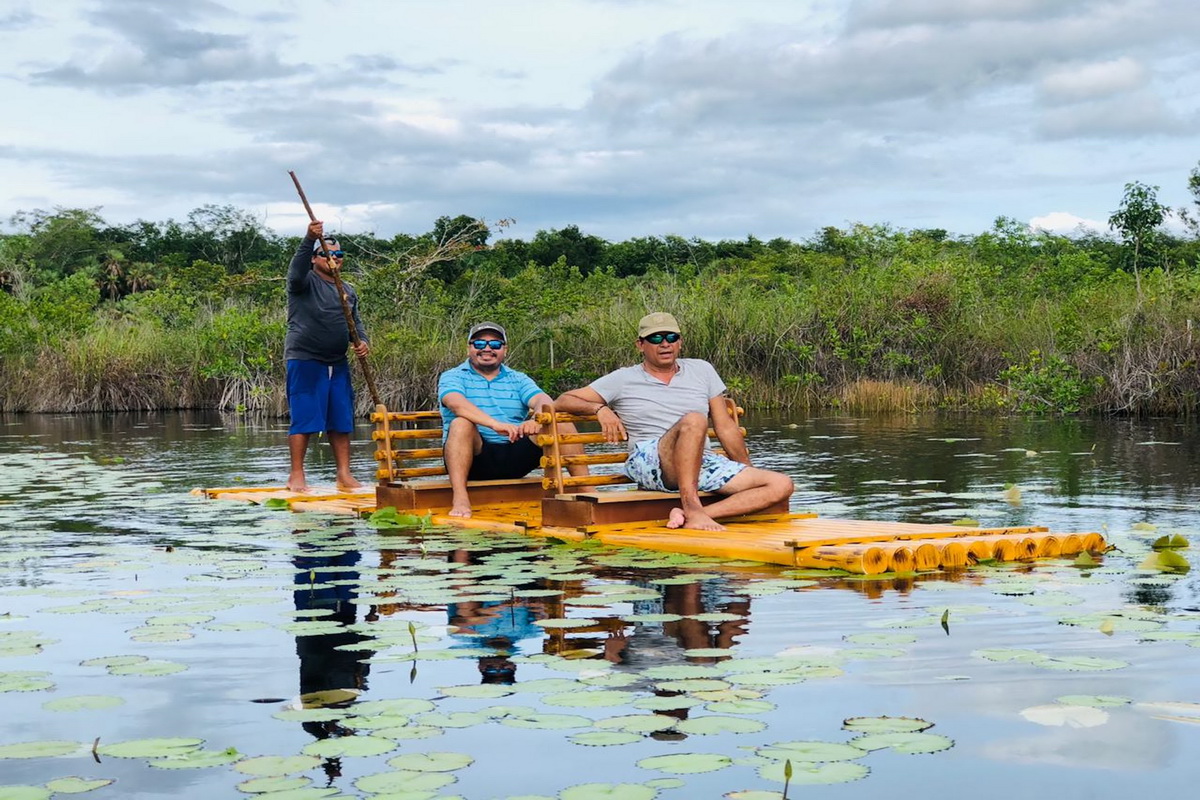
(237, 611)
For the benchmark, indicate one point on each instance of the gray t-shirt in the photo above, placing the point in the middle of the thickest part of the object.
(316, 323)
(649, 407)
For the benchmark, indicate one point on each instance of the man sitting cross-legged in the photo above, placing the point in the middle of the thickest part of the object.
(663, 405)
(485, 427)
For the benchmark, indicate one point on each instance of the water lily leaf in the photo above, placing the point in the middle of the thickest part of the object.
(578, 622)
(811, 751)
(740, 706)
(1176, 711)
(310, 714)
(113, 661)
(328, 697)
(717, 616)
(431, 762)
(708, 725)
(409, 732)
(24, 793)
(273, 783)
(198, 759)
(276, 766)
(907, 743)
(275, 503)
(637, 723)
(1097, 700)
(966, 522)
(74, 785)
(1171, 541)
(455, 719)
(605, 738)
(809, 774)
(886, 724)
(400, 706)
(1165, 561)
(686, 763)
(151, 748)
(592, 698)
(349, 746)
(693, 685)
(404, 781)
(1079, 663)
(375, 723)
(675, 671)
(151, 668)
(666, 702)
(25, 681)
(42, 749)
(549, 722)
(608, 791)
(608, 679)
(1071, 716)
(1007, 654)
(1144, 526)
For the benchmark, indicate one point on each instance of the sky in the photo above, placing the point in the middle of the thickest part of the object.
(708, 118)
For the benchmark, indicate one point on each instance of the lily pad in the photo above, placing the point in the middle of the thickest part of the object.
(637, 723)
(199, 759)
(593, 698)
(907, 743)
(151, 748)
(431, 762)
(404, 781)
(563, 623)
(273, 784)
(276, 766)
(74, 785)
(811, 751)
(605, 738)
(808, 774)
(886, 724)
(1062, 714)
(714, 724)
(686, 763)
(349, 746)
(41, 749)
(13, 792)
(608, 791)
(549, 722)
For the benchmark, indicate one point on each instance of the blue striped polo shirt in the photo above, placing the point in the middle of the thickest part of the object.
(505, 397)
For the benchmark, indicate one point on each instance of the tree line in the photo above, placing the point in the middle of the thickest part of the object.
(97, 316)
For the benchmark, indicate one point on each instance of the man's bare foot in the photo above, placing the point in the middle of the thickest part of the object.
(460, 508)
(349, 483)
(695, 521)
(297, 483)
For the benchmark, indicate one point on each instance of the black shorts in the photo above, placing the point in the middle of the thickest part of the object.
(509, 460)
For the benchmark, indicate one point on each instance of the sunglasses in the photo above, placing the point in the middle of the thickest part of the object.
(659, 338)
(483, 344)
(332, 253)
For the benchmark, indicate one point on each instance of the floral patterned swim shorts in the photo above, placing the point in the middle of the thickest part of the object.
(644, 468)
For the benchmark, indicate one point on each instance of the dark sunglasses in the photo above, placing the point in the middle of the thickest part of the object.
(481, 344)
(332, 253)
(658, 338)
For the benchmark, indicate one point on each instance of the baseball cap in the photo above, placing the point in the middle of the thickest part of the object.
(329, 240)
(657, 322)
(486, 326)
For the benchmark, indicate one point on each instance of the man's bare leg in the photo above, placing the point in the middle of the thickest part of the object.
(339, 443)
(297, 447)
(462, 444)
(680, 452)
(751, 490)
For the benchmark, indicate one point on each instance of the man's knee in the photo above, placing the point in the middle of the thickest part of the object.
(461, 429)
(781, 485)
(693, 420)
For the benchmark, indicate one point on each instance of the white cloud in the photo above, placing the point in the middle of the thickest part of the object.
(1066, 223)
(1087, 81)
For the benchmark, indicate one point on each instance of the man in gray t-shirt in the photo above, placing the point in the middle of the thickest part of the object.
(662, 406)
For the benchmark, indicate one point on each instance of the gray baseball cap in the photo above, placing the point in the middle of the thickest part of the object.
(486, 326)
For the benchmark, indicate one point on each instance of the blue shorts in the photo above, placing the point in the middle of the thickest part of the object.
(644, 468)
(320, 397)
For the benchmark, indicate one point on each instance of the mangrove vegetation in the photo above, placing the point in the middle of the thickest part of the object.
(191, 314)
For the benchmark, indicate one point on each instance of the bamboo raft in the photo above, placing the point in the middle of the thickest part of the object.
(790, 539)
(576, 508)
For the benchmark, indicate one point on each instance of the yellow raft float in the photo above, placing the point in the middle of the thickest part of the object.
(576, 508)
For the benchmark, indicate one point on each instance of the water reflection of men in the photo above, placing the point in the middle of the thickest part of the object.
(327, 583)
(497, 625)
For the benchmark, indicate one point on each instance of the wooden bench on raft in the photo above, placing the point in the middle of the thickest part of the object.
(573, 502)
(398, 466)
(412, 478)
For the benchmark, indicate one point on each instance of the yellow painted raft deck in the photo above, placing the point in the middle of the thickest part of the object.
(795, 540)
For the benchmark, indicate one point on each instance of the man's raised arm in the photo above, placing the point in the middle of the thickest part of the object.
(588, 401)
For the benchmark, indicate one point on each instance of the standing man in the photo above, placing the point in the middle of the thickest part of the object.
(320, 397)
(487, 422)
(663, 406)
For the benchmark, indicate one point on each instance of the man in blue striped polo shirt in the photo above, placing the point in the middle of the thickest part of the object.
(486, 409)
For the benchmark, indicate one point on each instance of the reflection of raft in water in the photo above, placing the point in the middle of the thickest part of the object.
(571, 508)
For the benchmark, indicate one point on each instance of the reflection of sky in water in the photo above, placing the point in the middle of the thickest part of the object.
(90, 506)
